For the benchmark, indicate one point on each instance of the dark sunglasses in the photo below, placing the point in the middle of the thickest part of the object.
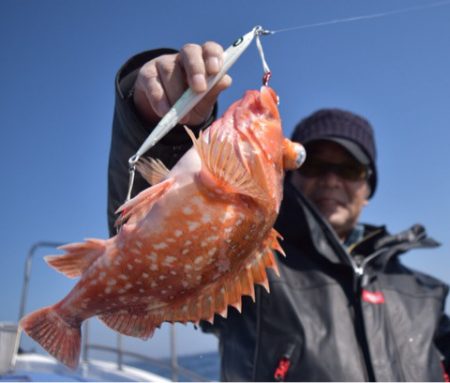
(351, 171)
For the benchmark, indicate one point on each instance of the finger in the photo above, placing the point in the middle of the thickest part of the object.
(173, 79)
(191, 56)
(204, 108)
(213, 57)
(148, 85)
(156, 96)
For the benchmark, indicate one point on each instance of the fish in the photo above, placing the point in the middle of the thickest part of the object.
(190, 245)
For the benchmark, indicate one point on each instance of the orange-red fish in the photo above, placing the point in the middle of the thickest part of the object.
(191, 244)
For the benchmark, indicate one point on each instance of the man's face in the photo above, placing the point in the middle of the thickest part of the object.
(338, 198)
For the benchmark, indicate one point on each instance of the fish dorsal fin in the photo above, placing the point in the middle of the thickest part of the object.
(222, 166)
(153, 170)
(78, 257)
(275, 245)
(137, 207)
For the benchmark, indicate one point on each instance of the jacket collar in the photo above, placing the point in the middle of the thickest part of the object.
(300, 223)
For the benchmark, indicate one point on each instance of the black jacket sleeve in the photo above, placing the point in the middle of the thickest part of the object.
(129, 131)
(442, 340)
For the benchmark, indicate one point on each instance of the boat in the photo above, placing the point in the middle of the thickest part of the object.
(116, 365)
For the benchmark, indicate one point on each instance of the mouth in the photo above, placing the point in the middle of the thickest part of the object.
(330, 202)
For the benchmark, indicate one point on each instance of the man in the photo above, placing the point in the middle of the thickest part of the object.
(344, 307)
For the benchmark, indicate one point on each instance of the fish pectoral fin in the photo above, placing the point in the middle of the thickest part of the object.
(78, 257)
(136, 208)
(136, 324)
(222, 166)
(153, 170)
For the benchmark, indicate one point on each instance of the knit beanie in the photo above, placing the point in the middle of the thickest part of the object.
(349, 130)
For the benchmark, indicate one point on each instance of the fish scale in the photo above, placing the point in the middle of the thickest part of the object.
(190, 245)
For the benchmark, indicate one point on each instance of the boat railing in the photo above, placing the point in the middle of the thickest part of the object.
(173, 367)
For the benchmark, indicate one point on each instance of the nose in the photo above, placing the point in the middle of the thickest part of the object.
(331, 179)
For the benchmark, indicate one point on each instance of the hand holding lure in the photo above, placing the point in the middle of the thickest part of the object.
(190, 99)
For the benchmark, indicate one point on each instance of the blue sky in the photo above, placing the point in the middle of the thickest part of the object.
(58, 63)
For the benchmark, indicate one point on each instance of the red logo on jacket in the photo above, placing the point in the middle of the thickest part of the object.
(374, 297)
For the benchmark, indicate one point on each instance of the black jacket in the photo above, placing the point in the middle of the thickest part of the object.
(326, 318)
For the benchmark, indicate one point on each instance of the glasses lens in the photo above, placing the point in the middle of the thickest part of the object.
(347, 170)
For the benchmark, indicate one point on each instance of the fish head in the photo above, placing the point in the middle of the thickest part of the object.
(265, 151)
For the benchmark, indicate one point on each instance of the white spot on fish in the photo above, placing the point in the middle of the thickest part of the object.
(138, 244)
(154, 267)
(187, 267)
(153, 284)
(204, 244)
(102, 275)
(173, 272)
(228, 215)
(108, 290)
(197, 200)
(159, 246)
(187, 210)
(135, 250)
(162, 277)
(130, 267)
(185, 251)
(121, 291)
(187, 243)
(152, 256)
(171, 240)
(168, 260)
(111, 282)
(123, 277)
(184, 283)
(193, 225)
(198, 260)
(141, 290)
(212, 251)
(212, 238)
(128, 286)
(164, 292)
(144, 275)
(178, 233)
(206, 218)
(137, 260)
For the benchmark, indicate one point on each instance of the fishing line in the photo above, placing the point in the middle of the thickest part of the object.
(364, 17)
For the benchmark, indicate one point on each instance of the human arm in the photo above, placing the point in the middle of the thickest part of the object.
(146, 86)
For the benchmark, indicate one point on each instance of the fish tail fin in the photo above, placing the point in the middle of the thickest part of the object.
(54, 334)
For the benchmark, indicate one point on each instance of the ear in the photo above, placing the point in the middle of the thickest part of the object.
(367, 194)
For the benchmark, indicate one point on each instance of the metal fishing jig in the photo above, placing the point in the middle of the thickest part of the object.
(190, 99)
